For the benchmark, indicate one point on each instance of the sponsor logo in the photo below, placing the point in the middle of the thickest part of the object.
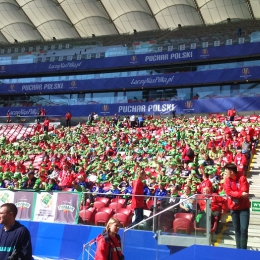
(73, 83)
(204, 53)
(2, 68)
(245, 73)
(134, 59)
(22, 205)
(4, 198)
(66, 208)
(105, 108)
(152, 80)
(12, 88)
(188, 104)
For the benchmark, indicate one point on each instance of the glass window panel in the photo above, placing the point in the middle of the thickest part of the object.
(134, 95)
(103, 98)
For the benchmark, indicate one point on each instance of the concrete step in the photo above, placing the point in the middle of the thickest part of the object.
(232, 242)
(251, 234)
(220, 244)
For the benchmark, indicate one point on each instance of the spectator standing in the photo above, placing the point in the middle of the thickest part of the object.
(46, 125)
(237, 189)
(138, 201)
(68, 117)
(43, 113)
(141, 120)
(132, 121)
(231, 114)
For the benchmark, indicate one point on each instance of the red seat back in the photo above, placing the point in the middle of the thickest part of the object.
(99, 204)
(86, 216)
(106, 209)
(188, 216)
(115, 205)
(102, 199)
(183, 224)
(101, 218)
(123, 219)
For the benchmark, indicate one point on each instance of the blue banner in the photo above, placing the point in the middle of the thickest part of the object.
(238, 50)
(146, 108)
(162, 80)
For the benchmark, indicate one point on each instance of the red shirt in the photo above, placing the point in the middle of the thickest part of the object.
(138, 189)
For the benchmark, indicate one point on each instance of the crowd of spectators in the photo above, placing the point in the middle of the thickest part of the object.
(180, 156)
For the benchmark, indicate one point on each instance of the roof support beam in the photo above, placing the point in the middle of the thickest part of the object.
(248, 2)
(110, 19)
(152, 14)
(199, 12)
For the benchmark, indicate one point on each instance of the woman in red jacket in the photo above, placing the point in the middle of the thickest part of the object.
(237, 188)
(109, 242)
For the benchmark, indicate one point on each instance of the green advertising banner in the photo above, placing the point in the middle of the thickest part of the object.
(255, 206)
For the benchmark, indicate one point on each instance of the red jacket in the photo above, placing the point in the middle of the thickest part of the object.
(205, 183)
(218, 203)
(138, 189)
(234, 189)
(108, 248)
(185, 156)
(240, 159)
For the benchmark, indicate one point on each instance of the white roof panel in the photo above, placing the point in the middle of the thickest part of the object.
(44, 19)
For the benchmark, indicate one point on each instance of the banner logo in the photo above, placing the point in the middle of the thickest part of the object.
(188, 104)
(2, 68)
(134, 59)
(66, 208)
(22, 205)
(245, 73)
(73, 83)
(12, 87)
(4, 198)
(204, 53)
(105, 108)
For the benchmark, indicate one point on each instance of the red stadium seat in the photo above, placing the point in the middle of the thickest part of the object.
(101, 218)
(124, 211)
(102, 199)
(183, 224)
(107, 210)
(86, 216)
(99, 204)
(115, 205)
(123, 219)
(188, 216)
(122, 201)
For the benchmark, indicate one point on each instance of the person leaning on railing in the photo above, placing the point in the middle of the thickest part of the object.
(237, 188)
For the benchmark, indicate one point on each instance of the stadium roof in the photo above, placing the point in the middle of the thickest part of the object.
(30, 20)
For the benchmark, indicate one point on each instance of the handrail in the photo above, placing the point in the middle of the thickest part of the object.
(144, 220)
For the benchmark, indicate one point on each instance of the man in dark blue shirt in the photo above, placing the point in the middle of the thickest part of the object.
(14, 237)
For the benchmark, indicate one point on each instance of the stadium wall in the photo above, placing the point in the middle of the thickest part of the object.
(217, 105)
(62, 241)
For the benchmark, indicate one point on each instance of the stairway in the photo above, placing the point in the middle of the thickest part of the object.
(227, 236)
